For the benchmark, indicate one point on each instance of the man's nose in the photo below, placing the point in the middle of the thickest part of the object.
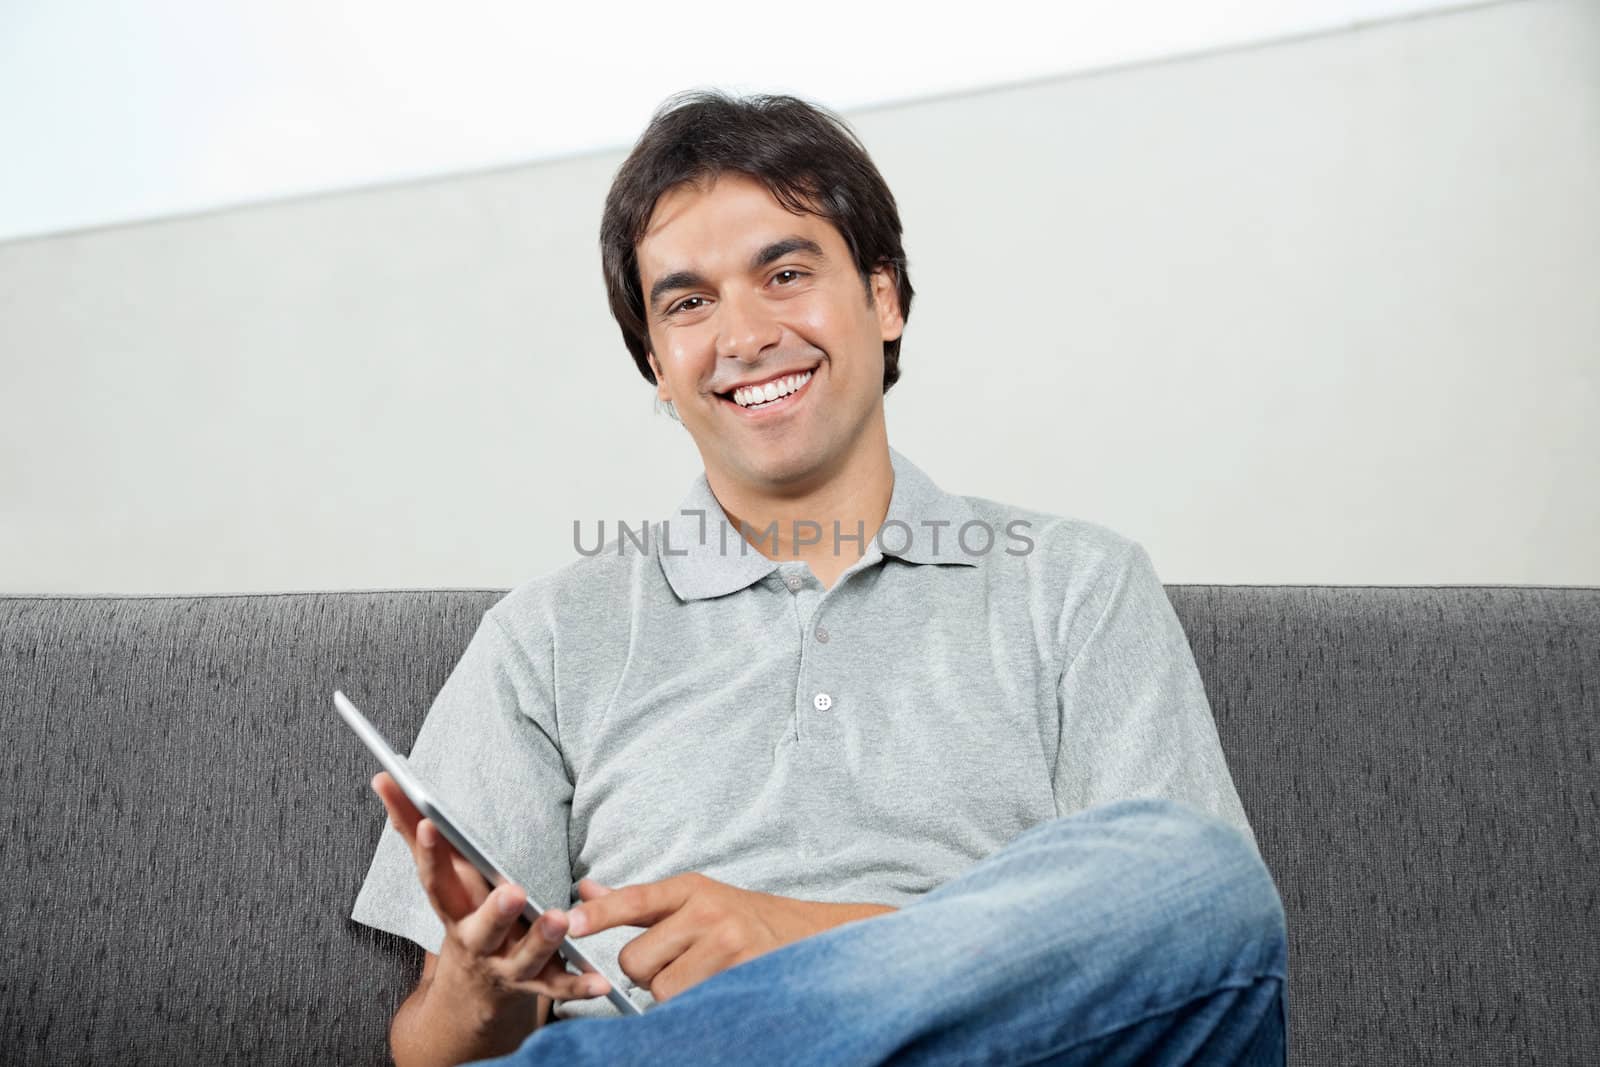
(746, 327)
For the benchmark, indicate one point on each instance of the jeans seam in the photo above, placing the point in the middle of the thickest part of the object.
(1168, 1010)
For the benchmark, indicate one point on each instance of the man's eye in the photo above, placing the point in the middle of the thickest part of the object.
(683, 305)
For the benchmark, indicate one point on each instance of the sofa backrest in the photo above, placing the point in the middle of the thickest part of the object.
(187, 821)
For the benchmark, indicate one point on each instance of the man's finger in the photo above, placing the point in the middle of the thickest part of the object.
(684, 971)
(634, 905)
(483, 930)
(437, 869)
(643, 958)
(588, 889)
(402, 813)
(476, 884)
(537, 945)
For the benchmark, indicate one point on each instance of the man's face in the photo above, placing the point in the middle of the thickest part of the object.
(739, 291)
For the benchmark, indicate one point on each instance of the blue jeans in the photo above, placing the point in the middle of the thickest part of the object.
(1141, 931)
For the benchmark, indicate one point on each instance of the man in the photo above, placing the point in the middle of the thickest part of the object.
(886, 775)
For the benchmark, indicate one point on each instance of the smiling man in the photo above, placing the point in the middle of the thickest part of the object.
(769, 344)
(841, 768)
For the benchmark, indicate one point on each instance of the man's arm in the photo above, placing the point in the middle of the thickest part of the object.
(432, 1030)
(700, 927)
(480, 996)
(831, 915)
(489, 745)
(1135, 720)
(428, 1029)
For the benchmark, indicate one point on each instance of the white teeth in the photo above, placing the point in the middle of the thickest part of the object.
(760, 394)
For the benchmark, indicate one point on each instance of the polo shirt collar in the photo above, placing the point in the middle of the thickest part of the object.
(917, 502)
(697, 567)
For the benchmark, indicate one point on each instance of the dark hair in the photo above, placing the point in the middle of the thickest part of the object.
(805, 155)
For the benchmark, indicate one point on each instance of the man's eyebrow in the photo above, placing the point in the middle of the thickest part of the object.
(688, 279)
(787, 246)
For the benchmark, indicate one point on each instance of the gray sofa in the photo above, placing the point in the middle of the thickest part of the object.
(186, 821)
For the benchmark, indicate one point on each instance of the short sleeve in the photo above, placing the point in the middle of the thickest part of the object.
(490, 749)
(1135, 720)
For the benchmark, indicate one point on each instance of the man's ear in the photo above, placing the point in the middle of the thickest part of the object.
(886, 300)
(661, 379)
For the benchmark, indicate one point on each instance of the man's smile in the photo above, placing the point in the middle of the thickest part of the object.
(771, 395)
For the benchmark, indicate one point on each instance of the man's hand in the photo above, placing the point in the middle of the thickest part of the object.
(490, 956)
(699, 926)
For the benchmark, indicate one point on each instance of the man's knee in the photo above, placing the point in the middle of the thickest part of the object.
(1195, 871)
(1215, 864)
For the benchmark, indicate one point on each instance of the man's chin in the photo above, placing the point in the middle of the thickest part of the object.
(777, 467)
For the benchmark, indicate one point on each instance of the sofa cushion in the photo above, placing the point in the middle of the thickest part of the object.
(187, 821)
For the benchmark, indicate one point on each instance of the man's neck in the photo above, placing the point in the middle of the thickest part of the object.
(780, 525)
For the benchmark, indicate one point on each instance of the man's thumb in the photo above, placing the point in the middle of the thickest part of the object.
(588, 889)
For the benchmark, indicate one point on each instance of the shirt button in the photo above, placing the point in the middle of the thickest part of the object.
(822, 634)
(822, 701)
(794, 583)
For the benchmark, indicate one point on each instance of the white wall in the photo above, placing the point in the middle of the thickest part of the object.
(1321, 311)
(119, 112)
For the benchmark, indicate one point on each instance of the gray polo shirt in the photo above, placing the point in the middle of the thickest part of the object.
(680, 702)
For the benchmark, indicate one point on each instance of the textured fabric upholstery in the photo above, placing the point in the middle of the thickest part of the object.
(186, 821)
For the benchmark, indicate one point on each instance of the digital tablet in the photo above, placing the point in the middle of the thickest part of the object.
(454, 832)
